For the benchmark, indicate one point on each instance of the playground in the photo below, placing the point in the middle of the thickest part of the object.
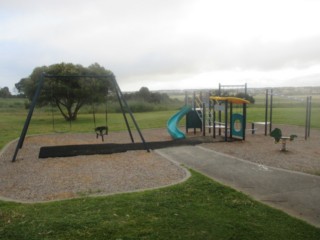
(60, 166)
(32, 179)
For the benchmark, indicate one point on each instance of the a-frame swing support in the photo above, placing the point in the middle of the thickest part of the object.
(123, 103)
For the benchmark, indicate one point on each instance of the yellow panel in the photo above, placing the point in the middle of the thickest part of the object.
(230, 99)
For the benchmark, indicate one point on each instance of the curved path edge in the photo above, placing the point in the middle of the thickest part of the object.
(297, 194)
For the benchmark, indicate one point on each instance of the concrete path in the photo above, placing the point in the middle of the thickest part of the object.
(296, 193)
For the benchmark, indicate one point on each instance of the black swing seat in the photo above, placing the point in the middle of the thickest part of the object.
(101, 131)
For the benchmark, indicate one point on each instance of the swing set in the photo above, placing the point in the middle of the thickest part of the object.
(100, 131)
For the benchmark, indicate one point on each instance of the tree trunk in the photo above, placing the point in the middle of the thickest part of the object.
(69, 115)
(59, 105)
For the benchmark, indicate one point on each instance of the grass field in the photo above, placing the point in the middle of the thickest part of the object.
(196, 209)
(13, 115)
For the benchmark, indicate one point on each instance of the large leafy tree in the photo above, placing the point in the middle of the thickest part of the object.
(73, 86)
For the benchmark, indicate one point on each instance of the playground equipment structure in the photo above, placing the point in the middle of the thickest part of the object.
(237, 124)
(172, 124)
(100, 131)
(269, 111)
(216, 113)
(204, 111)
(278, 137)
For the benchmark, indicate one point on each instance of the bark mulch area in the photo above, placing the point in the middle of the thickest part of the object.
(301, 155)
(31, 179)
(34, 179)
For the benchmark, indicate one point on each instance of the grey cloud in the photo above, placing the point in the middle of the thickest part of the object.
(301, 53)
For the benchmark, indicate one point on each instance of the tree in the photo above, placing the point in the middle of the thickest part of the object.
(4, 92)
(246, 96)
(144, 93)
(69, 92)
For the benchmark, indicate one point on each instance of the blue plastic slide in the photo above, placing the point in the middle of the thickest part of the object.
(172, 124)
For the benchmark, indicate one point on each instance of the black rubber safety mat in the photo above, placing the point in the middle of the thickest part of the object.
(108, 148)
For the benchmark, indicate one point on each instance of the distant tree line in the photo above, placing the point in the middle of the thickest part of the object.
(5, 93)
(246, 96)
(146, 101)
(145, 95)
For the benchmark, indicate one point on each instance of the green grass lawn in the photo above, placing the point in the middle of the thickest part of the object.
(11, 124)
(289, 116)
(196, 209)
(13, 115)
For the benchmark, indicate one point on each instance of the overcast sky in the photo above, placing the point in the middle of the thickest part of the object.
(166, 44)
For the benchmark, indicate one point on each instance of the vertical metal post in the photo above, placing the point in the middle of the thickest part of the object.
(194, 108)
(306, 122)
(203, 119)
(266, 113)
(219, 113)
(106, 110)
(27, 122)
(231, 125)
(244, 114)
(219, 117)
(214, 121)
(210, 113)
(201, 110)
(186, 103)
(271, 109)
(226, 122)
(309, 122)
(308, 118)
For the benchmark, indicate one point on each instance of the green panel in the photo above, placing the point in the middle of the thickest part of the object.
(237, 125)
(193, 120)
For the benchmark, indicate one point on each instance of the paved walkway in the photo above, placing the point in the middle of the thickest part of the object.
(296, 193)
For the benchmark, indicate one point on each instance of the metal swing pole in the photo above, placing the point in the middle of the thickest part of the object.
(27, 122)
(124, 114)
(120, 96)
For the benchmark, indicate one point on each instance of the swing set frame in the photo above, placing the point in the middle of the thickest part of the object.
(122, 102)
